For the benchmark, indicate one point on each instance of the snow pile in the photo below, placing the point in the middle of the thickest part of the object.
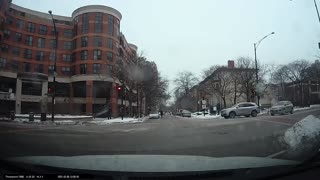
(103, 121)
(300, 108)
(303, 133)
(263, 112)
(206, 116)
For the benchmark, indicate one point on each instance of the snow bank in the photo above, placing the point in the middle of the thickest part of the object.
(206, 116)
(300, 108)
(304, 132)
(55, 116)
(103, 121)
(38, 121)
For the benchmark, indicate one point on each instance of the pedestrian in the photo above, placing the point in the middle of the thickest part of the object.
(109, 113)
(161, 113)
(218, 108)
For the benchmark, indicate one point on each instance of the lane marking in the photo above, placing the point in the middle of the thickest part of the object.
(276, 122)
(276, 154)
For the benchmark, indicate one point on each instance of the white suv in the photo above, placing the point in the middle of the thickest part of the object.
(241, 109)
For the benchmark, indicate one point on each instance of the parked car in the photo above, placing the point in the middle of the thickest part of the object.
(241, 109)
(154, 115)
(282, 107)
(185, 113)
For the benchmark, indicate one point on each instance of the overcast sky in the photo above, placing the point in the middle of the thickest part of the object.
(192, 35)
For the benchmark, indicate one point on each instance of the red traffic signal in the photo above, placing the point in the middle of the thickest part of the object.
(119, 88)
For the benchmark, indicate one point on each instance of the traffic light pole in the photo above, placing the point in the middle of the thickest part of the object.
(54, 67)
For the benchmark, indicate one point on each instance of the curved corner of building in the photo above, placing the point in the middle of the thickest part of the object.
(96, 8)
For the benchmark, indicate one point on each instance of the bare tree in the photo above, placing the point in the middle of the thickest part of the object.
(295, 72)
(278, 76)
(220, 83)
(246, 75)
(207, 72)
(184, 82)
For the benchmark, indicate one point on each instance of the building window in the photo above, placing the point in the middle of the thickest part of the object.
(83, 69)
(110, 25)
(109, 56)
(43, 29)
(97, 41)
(74, 44)
(40, 56)
(29, 40)
(66, 70)
(51, 69)
(28, 54)
(98, 26)
(66, 57)
(84, 55)
(68, 33)
(3, 63)
(67, 45)
(84, 41)
(53, 33)
(41, 43)
(73, 57)
(26, 67)
(16, 51)
(4, 47)
(97, 55)
(20, 24)
(6, 34)
(85, 23)
(9, 20)
(109, 69)
(52, 43)
(14, 65)
(18, 37)
(96, 68)
(52, 56)
(110, 43)
(39, 68)
(31, 27)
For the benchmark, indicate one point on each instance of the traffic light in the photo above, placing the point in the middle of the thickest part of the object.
(50, 91)
(119, 88)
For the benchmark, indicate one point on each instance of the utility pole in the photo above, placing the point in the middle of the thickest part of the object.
(255, 45)
(54, 66)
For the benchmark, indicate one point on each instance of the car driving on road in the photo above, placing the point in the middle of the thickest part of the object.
(185, 113)
(241, 109)
(154, 115)
(282, 107)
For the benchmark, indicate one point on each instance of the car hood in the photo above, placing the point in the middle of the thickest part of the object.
(151, 163)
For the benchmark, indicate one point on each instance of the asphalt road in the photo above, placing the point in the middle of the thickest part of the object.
(170, 135)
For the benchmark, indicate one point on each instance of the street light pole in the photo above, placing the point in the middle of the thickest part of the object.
(54, 66)
(315, 4)
(255, 46)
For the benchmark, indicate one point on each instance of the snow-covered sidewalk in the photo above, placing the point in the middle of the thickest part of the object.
(104, 121)
(26, 120)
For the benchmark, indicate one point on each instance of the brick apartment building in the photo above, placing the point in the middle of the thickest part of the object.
(89, 44)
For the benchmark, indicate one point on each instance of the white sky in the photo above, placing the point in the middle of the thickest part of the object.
(192, 35)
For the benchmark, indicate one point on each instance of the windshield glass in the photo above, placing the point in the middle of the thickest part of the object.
(173, 78)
